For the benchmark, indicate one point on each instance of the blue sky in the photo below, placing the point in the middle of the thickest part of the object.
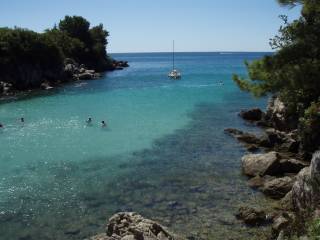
(150, 26)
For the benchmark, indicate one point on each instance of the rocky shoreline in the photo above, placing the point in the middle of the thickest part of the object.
(72, 71)
(278, 167)
(275, 165)
(132, 226)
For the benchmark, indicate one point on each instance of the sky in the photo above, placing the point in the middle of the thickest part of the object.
(150, 25)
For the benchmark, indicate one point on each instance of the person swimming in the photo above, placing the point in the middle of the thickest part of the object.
(89, 120)
(103, 124)
(1, 125)
(22, 120)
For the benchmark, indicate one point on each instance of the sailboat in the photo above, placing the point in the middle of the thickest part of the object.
(174, 74)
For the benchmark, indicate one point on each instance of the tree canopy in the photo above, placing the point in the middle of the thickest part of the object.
(29, 58)
(293, 71)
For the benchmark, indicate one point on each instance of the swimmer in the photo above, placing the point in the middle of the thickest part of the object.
(89, 120)
(22, 120)
(1, 126)
(103, 124)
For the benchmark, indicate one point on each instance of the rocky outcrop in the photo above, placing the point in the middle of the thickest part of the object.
(277, 117)
(254, 114)
(5, 88)
(119, 65)
(261, 164)
(132, 226)
(275, 114)
(306, 190)
(79, 72)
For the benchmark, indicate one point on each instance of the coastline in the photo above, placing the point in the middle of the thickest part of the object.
(73, 72)
(276, 166)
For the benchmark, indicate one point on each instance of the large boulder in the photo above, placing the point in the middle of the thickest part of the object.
(261, 164)
(306, 190)
(254, 114)
(278, 188)
(132, 226)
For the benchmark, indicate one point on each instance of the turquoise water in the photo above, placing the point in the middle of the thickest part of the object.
(163, 153)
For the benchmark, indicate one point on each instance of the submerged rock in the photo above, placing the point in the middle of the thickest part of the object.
(132, 226)
(252, 216)
(258, 181)
(261, 164)
(278, 188)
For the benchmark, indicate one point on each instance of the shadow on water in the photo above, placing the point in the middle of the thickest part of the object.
(189, 181)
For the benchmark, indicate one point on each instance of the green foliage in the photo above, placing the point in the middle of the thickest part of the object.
(310, 127)
(29, 58)
(293, 71)
(26, 52)
(76, 27)
(314, 230)
(92, 42)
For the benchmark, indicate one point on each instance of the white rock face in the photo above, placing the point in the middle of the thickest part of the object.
(261, 164)
(306, 190)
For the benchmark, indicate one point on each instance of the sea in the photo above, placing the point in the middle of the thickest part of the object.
(163, 153)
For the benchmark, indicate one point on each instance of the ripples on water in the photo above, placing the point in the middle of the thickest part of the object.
(189, 179)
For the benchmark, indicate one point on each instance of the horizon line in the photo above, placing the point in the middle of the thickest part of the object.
(193, 52)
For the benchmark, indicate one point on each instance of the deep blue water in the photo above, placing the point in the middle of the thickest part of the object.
(163, 154)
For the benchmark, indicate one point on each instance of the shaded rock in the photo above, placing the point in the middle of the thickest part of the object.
(254, 114)
(286, 202)
(132, 226)
(275, 136)
(306, 190)
(233, 131)
(292, 165)
(290, 145)
(261, 164)
(243, 136)
(252, 216)
(263, 123)
(85, 76)
(248, 138)
(278, 188)
(46, 86)
(252, 147)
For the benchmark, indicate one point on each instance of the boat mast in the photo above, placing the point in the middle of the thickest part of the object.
(173, 56)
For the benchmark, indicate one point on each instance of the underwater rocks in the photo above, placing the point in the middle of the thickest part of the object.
(278, 187)
(252, 216)
(132, 226)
